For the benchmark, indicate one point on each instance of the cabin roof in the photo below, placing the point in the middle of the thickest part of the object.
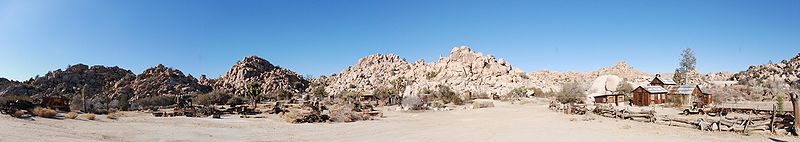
(667, 81)
(687, 89)
(654, 89)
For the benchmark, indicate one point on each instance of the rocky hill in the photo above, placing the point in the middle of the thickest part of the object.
(69, 82)
(254, 69)
(465, 71)
(595, 81)
(160, 80)
(787, 71)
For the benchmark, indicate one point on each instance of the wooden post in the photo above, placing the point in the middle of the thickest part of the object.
(772, 120)
(796, 108)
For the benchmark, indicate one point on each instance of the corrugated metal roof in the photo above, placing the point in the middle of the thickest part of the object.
(683, 89)
(667, 81)
(655, 89)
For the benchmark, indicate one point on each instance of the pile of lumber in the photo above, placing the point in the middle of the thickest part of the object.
(571, 109)
(612, 112)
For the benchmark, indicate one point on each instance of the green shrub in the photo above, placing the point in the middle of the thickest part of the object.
(236, 100)
(446, 95)
(519, 92)
(212, 98)
(156, 101)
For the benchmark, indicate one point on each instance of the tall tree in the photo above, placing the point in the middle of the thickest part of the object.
(687, 64)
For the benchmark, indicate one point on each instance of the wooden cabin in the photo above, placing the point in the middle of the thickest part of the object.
(663, 82)
(649, 95)
(689, 94)
(615, 99)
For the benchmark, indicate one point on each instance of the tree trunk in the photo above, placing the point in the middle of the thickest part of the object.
(796, 108)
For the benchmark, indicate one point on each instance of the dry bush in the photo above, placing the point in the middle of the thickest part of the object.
(345, 113)
(47, 113)
(36, 111)
(89, 116)
(482, 104)
(292, 116)
(519, 92)
(71, 115)
(215, 97)
(446, 95)
(19, 113)
(114, 115)
(412, 102)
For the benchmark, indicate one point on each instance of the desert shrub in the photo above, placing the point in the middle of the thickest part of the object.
(412, 102)
(236, 100)
(89, 116)
(71, 115)
(519, 92)
(19, 113)
(346, 113)
(37, 110)
(431, 74)
(123, 102)
(446, 95)
(114, 115)
(212, 98)
(156, 101)
(46, 113)
(438, 104)
(483, 95)
(384, 93)
(482, 104)
(291, 116)
(284, 94)
(571, 92)
(319, 92)
(350, 96)
(9, 98)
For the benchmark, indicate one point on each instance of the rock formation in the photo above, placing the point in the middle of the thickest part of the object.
(787, 71)
(161, 80)
(98, 80)
(624, 73)
(258, 70)
(465, 71)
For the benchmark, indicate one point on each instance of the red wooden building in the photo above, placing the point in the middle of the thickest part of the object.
(649, 95)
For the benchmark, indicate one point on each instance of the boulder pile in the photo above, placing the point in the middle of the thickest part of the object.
(161, 80)
(787, 71)
(253, 69)
(465, 71)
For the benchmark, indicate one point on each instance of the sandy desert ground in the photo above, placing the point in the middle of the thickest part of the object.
(505, 122)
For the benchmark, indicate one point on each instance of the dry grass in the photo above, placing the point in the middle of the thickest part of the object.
(291, 117)
(345, 113)
(19, 113)
(482, 104)
(114, 115)
(89, 116)
(44, 112)
(71, 115)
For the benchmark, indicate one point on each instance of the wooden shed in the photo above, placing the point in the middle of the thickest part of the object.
(649, 95)
(663, 82)
(689, 94)
(615, 99)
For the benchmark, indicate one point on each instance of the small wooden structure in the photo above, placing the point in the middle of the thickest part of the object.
(689, 94)
(663, 82)
(610, 99)
(649, 95)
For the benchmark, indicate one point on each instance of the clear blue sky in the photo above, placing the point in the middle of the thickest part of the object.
(324, 37)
